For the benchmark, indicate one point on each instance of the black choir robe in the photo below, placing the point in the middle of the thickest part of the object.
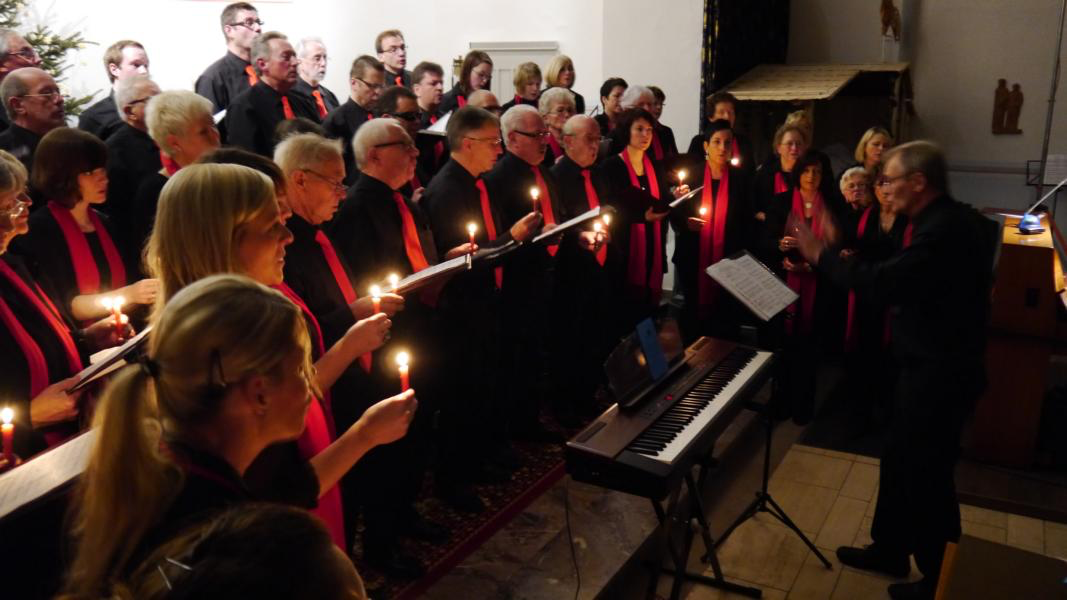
(605, 124)
(516, 100)
(15, 379)
(452, 100)
(579, 103)
(131, 157)
(630, 204)
(744, 149)
(875, 245)
(5, 122)
(342, 124)
(433, 149)
(45, 250)
(727, 313)
(328, 98)
(403, 78)
(101, 119)
(255, 113)
(144, 206)
(22, 143)
(223, 81)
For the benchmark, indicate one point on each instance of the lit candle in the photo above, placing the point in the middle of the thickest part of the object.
(402, 366)
(535, 195)
(606, 218)
(598, 230)
(394, 279)
(114, 305)
(8, 428)
(735, 161)
(471, 230)
(703, 211)
(376, 298)
(681, 176)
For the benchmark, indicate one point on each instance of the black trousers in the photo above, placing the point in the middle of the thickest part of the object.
(917, 511)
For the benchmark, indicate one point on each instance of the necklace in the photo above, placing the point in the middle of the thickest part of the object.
(807, 204)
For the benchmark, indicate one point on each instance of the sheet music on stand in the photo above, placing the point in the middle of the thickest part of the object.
(692, 192)
(562, 228)
(44, 473)
(438, 127)
(112, 359)
(753, 284)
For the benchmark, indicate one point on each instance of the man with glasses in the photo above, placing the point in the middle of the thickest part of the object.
(34, 106)
(393, 53)
(15, 53)
(427, 81)
(400, 103)
(234, 72)
(365, 81)
(473, 442)
(312, 70)
(122, 60)
(255, 113)
(131, 156)
(938, 285)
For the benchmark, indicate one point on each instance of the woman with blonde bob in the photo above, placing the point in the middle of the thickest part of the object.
(240, 229)
(560, 73)
(872, 145)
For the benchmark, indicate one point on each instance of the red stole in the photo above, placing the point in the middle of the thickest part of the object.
(638, 274)
(779, 183)
(342, 281)
(804, 284)
(594, 201)
(907, 236)
(850, 325)
(546, 205)
(490, 226)
(319, 433)
(557, 150)
(85, 270)
(39, 377)
(252, 78)
(287, 108)
(461, 100)
(170, 166)
(319, 102)
(412, 245)
(712, 236)
(735, 152)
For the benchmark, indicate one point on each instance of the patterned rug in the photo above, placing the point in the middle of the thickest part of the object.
(542, 467)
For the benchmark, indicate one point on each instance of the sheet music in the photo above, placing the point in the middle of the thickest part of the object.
(109, 360)
(692, 192)
(219, 116)
(438, 127)
(570, 223)
(44, 473)
(753, 284)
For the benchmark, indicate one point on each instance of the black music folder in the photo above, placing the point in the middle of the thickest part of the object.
(570, 224)
(112, 360)
(446, 269)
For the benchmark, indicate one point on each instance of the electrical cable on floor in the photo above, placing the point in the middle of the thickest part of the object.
(570, 535)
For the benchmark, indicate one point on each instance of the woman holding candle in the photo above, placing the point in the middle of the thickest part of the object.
(476, 74)
(560, 73)
(227, 374)
(243, 232)
(72, 246)
(709, 227)
(641, 192)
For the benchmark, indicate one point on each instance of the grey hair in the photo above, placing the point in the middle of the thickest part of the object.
(851, 174)
(510, 120)
(576, 121)
(261, 47)
(920, 156)
(302, 44)
(633, 94)
(558, 95)
(5, 39)
(14, 86)
(171, 112)
(304, 151)
(369, 134)
(127, 91)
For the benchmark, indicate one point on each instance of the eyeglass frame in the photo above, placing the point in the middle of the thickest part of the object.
(249, 22)
(373, 86)
(337, 186)
(494, 141)
(20, 206)
(533, 135)
(394, 49)
(23, 53)
(884, 181)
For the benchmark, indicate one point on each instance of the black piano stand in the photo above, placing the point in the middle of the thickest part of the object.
(671, 519)
(763, 501)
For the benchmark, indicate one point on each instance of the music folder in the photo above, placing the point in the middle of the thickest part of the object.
(110, 360)
(753, 284)
(693, 192)
(446, 269)
(438, 127)
(570, 224)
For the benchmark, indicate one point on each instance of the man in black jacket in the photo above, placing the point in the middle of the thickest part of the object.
(365, 86)
(234, 72)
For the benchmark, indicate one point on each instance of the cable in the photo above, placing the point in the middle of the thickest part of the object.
(570, 535)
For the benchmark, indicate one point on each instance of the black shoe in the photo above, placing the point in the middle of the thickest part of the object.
(869, 558)
(461, 498)
(390, 560)
(538, 435)
(415, 526)
(915, 590)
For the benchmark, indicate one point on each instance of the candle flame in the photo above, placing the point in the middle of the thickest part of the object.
(735, 161)
(402, 359)
(681, 175)
(375, 291)
(106, 302)
(393, 280)
(703, 211)
(535, 192)
(6, 415)
(597, 227)
(471, 228)
(607, 219)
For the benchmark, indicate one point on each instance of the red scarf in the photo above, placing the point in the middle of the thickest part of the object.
(340, 277)
(319, 433)
(439, 146)
(557, 150)
(170, 166)
(907, 236)
(412, 245)
(779, 183)
(712, 237)
(850, 326)
(415, 183)
(546, 205)
(461, 100)
(31, 350)
(85, 271)
(657, 147)
(399, 80)
(735, 152)
(594, 201)
(319, 102)
(637, 272)
(490, 226)
(252, 78)
(804, 284)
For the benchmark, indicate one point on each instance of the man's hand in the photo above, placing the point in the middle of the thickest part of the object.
(792, 267)
(695, 223)
(417, 195)
(460, 250)
(364, 307)
(524, 229)
(681, 190)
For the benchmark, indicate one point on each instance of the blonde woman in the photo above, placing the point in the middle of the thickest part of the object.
(527, 81)
(560, 73)
(872, 145)
(227, 374)
(556, 105)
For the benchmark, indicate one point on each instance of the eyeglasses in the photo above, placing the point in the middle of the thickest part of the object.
(888, 181)
(409, 116)
(338, 186)
(27, 53)
(534, 134)
(408, 144)
(20, 207)
(49, 95)
(249, 23)
(373, 86)
(400, 48)
(491, 141)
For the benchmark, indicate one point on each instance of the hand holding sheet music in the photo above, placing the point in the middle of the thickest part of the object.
(753, 284)
(570, 224)
(679, 200)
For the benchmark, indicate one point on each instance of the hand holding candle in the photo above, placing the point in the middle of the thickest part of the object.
(113, 304)
(394, 280)
(598, 229)
(402, 359)
(376, 298)
(471, 230)
(681, 176)
(535, 195)
(6, 416)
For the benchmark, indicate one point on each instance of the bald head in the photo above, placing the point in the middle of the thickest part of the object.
(384, 151)
(581, 140)
(32, 100)
(484, 99)
(15, 53)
